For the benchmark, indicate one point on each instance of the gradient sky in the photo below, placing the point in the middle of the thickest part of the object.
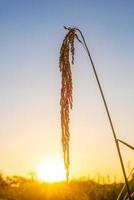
(31, 32)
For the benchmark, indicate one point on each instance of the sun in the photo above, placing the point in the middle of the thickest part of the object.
(51, 171)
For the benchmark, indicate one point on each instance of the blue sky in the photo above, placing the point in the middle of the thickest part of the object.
(31, 33)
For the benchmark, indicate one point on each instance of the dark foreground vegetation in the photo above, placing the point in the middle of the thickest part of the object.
(20, 188)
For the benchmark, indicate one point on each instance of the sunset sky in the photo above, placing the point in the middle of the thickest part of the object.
(31, 33)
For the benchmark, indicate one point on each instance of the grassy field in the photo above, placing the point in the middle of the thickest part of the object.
(20, 188)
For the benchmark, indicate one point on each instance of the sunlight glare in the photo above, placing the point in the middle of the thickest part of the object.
(51, 171)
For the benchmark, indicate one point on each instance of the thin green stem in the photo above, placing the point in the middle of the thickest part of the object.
(107, 111)
(128, 145)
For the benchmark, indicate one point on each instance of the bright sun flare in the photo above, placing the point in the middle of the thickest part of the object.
(51, 171)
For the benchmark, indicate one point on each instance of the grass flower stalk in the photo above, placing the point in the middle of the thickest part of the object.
(66, 101)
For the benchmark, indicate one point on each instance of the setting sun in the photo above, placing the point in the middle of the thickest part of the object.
(51, 171)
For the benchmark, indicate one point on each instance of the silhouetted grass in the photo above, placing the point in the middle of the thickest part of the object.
(20, 188)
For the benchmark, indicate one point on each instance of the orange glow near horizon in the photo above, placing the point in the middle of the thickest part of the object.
(51, 171)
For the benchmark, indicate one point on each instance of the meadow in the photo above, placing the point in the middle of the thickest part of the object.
(20, 188)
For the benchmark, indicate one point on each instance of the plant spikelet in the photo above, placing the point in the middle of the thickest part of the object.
(66, 101)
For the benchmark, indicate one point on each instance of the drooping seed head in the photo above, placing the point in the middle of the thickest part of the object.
(66, 101)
